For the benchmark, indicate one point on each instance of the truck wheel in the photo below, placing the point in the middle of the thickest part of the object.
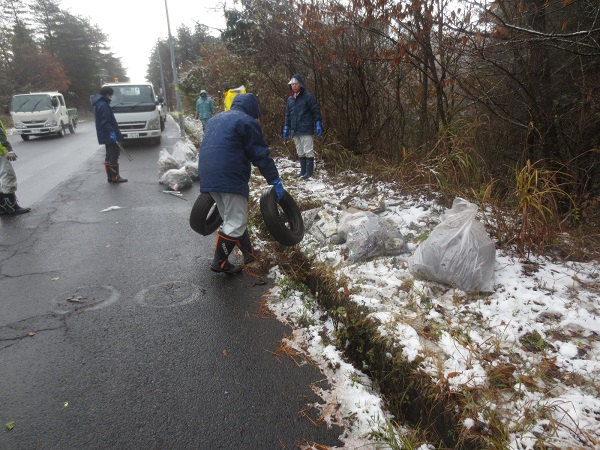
(25, 137)
(61, 133)
(283, 220)
(205, 217)
(157, 141)
(72, 126)
(162, 125)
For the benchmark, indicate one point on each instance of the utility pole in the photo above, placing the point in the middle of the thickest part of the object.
(175, 76)
(162, 76)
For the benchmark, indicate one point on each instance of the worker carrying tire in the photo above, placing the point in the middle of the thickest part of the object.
(233, 142)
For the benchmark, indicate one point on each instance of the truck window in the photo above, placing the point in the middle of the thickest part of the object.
(132, 94)
(31, 103)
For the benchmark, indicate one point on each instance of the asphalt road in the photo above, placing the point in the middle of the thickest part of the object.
(114, 334)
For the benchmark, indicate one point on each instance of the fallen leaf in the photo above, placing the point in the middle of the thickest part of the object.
(31, 333)
(527, 381)
(55, 279)
(225, 352)
(66, 404)
(10, 425)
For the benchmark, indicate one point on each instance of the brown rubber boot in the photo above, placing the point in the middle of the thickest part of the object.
(114, 173)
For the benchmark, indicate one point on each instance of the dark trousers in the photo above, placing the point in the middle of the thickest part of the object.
(112, 153)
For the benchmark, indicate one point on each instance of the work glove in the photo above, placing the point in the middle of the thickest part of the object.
(286, 133)
(12, 156)
(278, 186)
(319, 129)
(112, 136)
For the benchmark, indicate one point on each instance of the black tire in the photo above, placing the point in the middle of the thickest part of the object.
(61, 133)
(205, 218)
(25, 137)
(286, 228)
(162, 125)
(71, 127)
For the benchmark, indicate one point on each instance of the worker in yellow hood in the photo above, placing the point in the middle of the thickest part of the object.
(229, 94)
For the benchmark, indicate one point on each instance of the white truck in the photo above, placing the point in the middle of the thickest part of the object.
(138, 111)
(42, 114)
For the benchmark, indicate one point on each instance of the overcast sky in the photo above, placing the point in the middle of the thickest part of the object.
(134, 26)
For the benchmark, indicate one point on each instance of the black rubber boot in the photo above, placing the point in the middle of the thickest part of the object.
(250, 255)
(11, 206)
(302, 167)
(112, 171)
(223, 249)
(310, 167)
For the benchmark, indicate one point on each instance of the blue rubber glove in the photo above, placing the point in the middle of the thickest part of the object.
(319, 126)
(278, 186)
(286, 133)
(112, 136)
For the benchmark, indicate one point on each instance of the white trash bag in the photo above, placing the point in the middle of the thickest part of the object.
(166, 162)
(191, 167)
(458, 252)
(176, 179)
(183, 152)
(367, 236)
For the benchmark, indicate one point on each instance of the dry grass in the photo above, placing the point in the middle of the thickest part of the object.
(287, 350)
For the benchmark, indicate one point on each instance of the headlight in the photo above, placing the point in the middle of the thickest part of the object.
(50, 123)
(19, 125)
(154, 124)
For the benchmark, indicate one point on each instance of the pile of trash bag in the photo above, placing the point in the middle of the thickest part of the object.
(179, 170)
(458, 252)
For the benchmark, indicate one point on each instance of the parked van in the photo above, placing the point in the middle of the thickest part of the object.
(42, 114)
(137, 110)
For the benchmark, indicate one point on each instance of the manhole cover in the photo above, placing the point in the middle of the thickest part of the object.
(169, 294)
(85, 298)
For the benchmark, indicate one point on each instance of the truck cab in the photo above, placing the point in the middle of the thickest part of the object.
(137, 110)
(42, 114)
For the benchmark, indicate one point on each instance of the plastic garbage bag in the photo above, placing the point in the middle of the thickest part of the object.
(367, 235)
(458, 252)
(191, 167)
(176, 179)
(166, 162)
(183, 152)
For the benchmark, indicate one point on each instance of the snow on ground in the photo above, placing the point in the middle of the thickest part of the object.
(552, 305)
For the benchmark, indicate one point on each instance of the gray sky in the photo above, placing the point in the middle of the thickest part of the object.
(134, 26)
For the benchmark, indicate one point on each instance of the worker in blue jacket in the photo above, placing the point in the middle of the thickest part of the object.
(108, 133)
(302, 117)
(233, 142)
